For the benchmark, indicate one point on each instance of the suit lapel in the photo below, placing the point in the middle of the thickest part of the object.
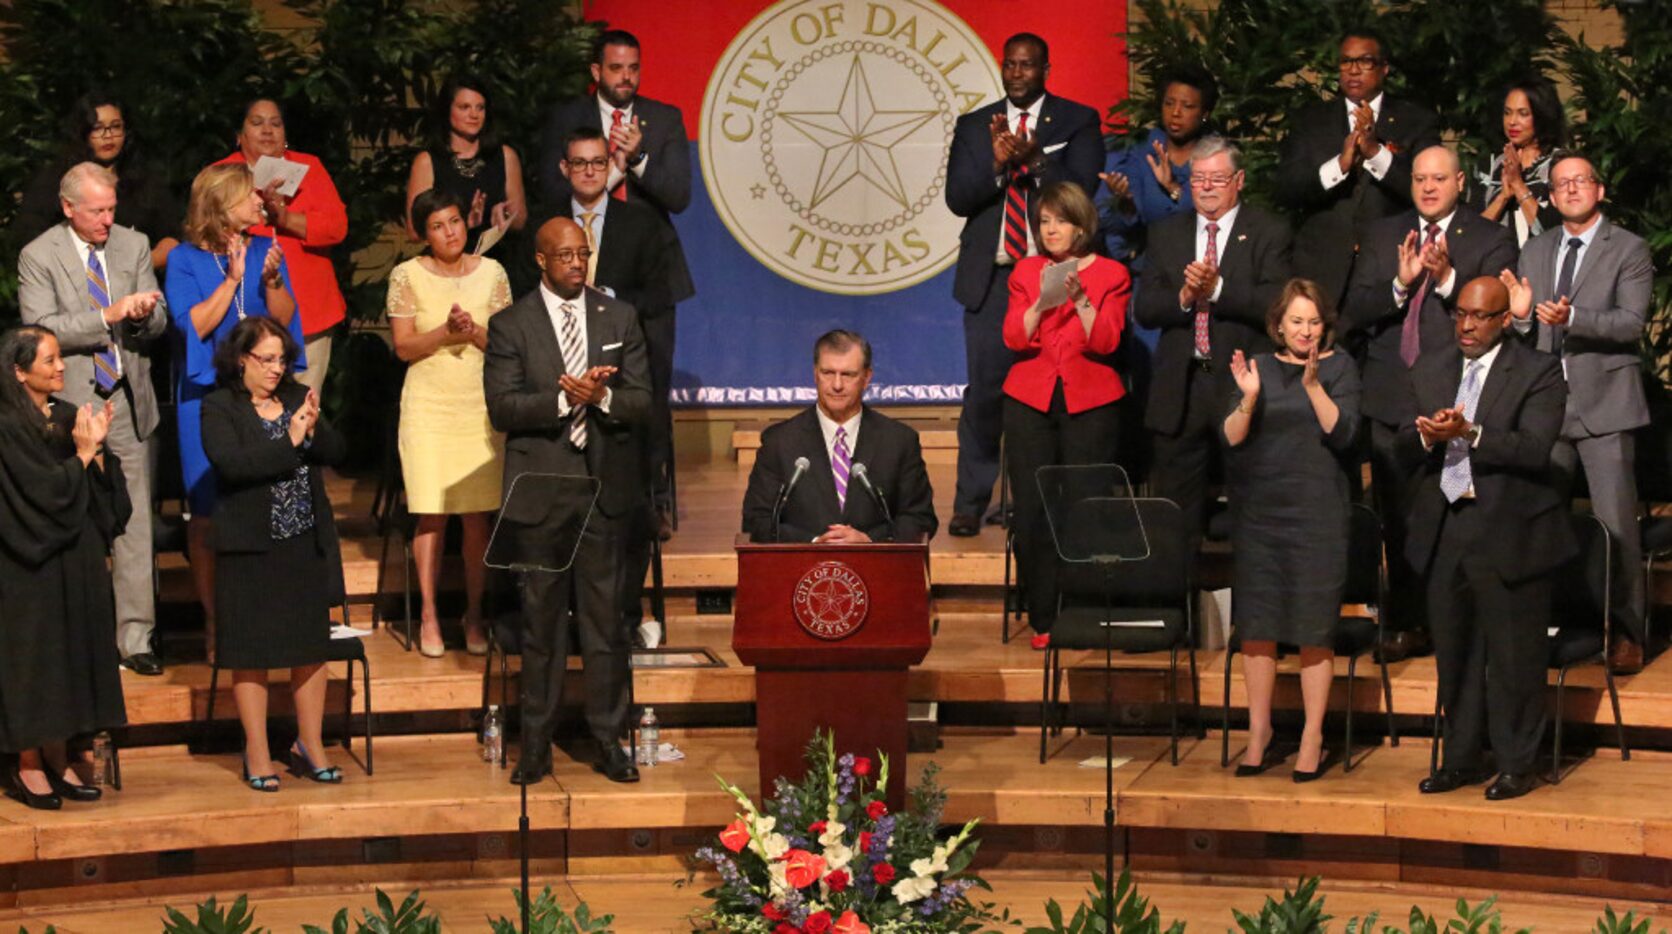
(821, 473)
(75, 269)
(543, 332)
(607, 239)
(595, 321)
(863, 452)
(1503, 370)
(1593, 254)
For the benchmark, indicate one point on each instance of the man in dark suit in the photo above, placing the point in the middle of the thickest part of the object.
(1347, 162)
(91, 282)
(1208, 280)
(833, 500)
(1399, 308)
(1001, 154)
(567, 379)
(1588, 285)
(1487, 527)
(650, 164)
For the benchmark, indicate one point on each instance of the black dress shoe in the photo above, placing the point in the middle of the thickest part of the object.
(1625, 657)
(72, 791)
(143, 663)
(1511, 785)
(530, 772)
(616, 766)
(1450, 780)
(1394, 647)
(20, 792)
(964, 525)
(1324, 763)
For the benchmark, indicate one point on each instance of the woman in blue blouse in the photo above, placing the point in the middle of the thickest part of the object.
(217, 278)
(1150, 180)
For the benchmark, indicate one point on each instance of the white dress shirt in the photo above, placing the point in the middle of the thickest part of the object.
(1585, 236)
(1330, 173)
(606, 114)
(555, 305)
(1401, 293)
(1013, 114)
(1485, 360)
(1221, 237)
(80, 247)
(828, 426)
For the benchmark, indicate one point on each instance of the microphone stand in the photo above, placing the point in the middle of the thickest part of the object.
(777, 510)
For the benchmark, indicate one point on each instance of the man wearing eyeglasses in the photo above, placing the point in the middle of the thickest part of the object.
(1487, 528)
(1584, 294)
(1347, 162)
(1398, 308)
(1209, 278)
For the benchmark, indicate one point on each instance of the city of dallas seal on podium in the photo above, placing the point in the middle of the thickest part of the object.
(825, 132)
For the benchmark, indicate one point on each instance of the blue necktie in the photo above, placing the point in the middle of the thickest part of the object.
(1456, 477)
(107, 368)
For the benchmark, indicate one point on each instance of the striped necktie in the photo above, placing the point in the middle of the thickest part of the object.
(1456, 474)
(574, 363)
(1016, 203)
(107, 366)
(840, 463)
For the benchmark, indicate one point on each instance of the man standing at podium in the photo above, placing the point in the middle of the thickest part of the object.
(567, 379)
(839, 472)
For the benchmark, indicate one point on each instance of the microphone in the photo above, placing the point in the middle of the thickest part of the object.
(801, 465)
(863, 475)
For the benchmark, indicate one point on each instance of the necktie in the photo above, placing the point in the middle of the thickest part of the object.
(1410, 333)
(1210, 256)
(587, 217)
(1456, 476)
(574, 363)
(1016, 204)
(619, 192)
(107, 366)
(1564, 287)
(840, 463)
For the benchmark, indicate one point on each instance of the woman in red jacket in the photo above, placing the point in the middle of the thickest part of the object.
(307, 224)
(1062, 394)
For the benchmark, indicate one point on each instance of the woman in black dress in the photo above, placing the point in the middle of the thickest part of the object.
(62, 502)
(465, 158)
(278, 566)
(1291, 432)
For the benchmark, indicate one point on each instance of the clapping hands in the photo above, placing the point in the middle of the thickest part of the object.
(305, 418)
(461, 327)
(92, 426)
(1247, 375)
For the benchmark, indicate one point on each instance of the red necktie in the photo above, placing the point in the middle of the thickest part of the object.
(1016, 203)
(1211, 257)
(1410, 333)
(619, 192)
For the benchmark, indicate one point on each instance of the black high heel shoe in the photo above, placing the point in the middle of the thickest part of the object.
(267, 783)
(72, 791)
(302, 766)
(1324, 763)
(20, 792)
(1267, 760)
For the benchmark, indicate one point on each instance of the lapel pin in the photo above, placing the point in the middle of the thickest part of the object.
(1047, 119)
(1241, 237)
(1458, 232)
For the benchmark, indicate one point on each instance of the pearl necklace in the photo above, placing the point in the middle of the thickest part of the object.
(238, 292)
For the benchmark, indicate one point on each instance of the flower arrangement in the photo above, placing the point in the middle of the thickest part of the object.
(826, 856)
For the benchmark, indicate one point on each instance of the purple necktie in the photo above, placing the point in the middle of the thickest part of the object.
(840, 462)
(1410, 334)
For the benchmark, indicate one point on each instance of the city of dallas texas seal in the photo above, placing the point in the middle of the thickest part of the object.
(825, 132)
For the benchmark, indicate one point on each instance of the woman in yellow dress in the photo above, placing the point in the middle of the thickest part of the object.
(438, 307)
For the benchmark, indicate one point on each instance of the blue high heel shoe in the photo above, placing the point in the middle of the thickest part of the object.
(302, 766)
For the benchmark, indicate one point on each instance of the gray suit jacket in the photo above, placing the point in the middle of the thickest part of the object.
(52, 291)
(1611, 293)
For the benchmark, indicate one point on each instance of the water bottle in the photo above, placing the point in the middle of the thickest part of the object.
(101, 758)
(493, 735)
(650, 737)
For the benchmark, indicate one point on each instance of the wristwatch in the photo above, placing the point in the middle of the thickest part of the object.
(1473, 434)
(642, 155)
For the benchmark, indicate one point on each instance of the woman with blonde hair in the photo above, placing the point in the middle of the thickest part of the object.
(218, 277)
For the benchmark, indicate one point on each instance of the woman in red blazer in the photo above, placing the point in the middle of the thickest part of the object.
(1062, 396)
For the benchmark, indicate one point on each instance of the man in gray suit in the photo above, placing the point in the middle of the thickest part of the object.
(1584, 292)
(91, 282)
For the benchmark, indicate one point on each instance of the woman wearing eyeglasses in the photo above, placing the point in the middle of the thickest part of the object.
(221, 276)
(98, 130)
(439, 305)
(279, 561)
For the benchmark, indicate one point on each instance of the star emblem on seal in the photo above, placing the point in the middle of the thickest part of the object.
(858, 139)
(831, 600)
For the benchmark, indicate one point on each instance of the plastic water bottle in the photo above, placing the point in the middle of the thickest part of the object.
(493, 735)
(650, 737)
(101, 758)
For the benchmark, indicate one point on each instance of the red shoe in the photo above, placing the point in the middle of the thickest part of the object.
(1040, 641)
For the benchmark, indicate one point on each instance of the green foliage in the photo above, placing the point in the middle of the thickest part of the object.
(213, 919)
(1132, 912)
(1300, 911)
(546, 916)
(409, 918)
(1628, 923)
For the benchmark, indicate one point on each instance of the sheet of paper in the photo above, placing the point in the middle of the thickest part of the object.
(1053, 284)
(288, 173)
(490, 236)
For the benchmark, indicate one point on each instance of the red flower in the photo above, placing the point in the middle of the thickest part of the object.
(861, 765)
(817, 923)
(883, 873)
(876, 809)
(735, 836)
(784, 927)
(849, 923)
(864, 841)
(772, 912)
(837, 880)
(817, 827)
(804, 868)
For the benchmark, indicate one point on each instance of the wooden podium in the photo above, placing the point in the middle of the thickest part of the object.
(832, 631)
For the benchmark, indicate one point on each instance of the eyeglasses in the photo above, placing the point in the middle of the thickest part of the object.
(1479, 317)
(269, 360)
(1362, 63)
(570, 256)
(108, 129)
(1216, 180)
(597, 165)
(1578, 181)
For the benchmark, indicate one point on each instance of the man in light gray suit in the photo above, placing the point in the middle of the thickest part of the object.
(1584, 292)
(91, 282)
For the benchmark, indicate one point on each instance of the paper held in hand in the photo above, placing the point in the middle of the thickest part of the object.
(491, 235)
(288, 173)
(1053, 283)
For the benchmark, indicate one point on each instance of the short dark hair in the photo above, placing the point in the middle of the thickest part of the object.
(1192, 76)
(582, 134)
(19, 347)
(1313, 292)
(1366, 31)
(1562, 155)
(1044, 49)
(612, 37)
(427, 202)
(1070, 202)
(1549, 120)
(229, 356)
(441, 115)
(841, 340)
(249, 105)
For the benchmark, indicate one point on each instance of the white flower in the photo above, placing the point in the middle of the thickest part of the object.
(910, 890)
(833, 831)
(774, 845)
(780, 884)
(764, 824)
(836, 856)
(936, 862)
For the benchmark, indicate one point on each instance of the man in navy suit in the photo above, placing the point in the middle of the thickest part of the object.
(1001, 155)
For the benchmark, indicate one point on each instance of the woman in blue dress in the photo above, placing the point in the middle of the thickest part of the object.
(217, 278)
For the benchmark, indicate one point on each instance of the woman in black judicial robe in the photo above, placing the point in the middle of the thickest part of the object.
(62, 501)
